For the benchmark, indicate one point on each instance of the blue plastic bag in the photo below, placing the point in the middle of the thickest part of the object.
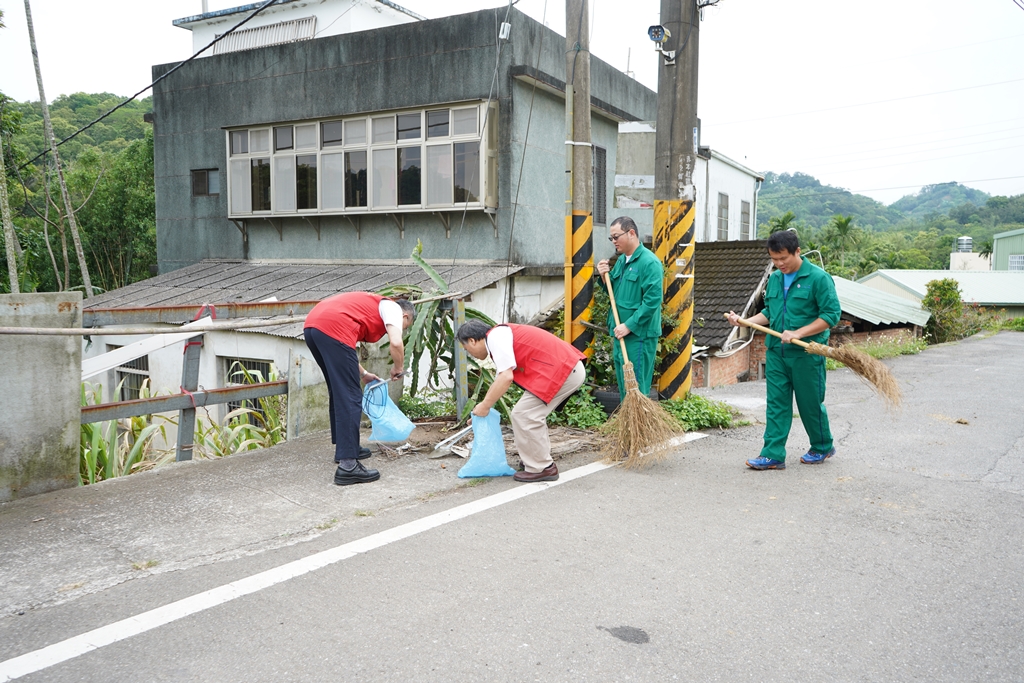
(487, 459)
(389, 423)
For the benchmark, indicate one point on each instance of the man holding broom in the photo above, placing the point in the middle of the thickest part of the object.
(637, 282)
(801, 303)
(549, 371)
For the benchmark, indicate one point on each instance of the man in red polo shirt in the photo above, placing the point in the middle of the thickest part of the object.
(548, 370)
(332, 330)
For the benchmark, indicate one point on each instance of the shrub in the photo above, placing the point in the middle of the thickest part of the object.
(951, 318)
(581, 410)
(427, 404)
(697, 412)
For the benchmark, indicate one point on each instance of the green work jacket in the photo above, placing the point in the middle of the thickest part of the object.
(811, 296)
(638, 293)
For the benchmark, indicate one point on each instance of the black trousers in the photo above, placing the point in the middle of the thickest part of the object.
(340, 366)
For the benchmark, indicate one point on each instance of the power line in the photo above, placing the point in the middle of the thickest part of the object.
(867, 104)
(132, 98)
(879, 189)
(922, 161)
(874, 157)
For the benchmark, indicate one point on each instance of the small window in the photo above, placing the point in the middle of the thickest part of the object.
(355, 132)
(305, 181)
(330, 133)
(409, 126)
(355, 178)
(241, 371)
(723, 217)
(305, 136)
(259, 141)
(464, 121)
(745, 221)
(1016, 262)
(131, 376)
(467, 172)
(437, 123)
(260, 184)
(206, 182)
(283, 138)
(239, 142)
(384, 129)
(600, 185)
(409, 175)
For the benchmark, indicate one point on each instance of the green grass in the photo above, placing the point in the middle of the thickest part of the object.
(884, 348)
(427, 404)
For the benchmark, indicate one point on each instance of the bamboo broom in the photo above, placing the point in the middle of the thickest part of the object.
(640, 429)
(864, 366)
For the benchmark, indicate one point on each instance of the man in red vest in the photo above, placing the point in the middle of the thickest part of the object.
(548, 370)
(332, 330)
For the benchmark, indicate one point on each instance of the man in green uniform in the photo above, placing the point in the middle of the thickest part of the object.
(800, 302)
(637, 285)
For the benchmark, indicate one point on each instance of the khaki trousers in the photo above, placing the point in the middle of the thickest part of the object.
(529, 422)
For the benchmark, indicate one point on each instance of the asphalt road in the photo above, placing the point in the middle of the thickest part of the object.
(900, 559)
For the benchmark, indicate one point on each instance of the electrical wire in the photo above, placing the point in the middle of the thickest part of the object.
(130, 99)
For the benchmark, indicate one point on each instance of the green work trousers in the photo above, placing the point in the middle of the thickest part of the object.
(790, 370)
(641, 354)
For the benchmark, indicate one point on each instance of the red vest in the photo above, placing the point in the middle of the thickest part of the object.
(543, 361)
(349, 317)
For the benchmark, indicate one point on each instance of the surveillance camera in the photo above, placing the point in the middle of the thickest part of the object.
(659, 34)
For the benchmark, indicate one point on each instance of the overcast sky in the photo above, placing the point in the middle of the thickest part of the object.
(876, 96)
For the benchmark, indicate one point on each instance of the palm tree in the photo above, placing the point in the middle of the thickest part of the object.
(842, 234)
(985, 248)
(778, 223)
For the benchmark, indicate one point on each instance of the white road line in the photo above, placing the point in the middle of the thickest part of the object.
(50, 655)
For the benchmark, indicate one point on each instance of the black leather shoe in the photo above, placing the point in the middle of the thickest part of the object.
(356, 475)
(364, 453)
(549, 473)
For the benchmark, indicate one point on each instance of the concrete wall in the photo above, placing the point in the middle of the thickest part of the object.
(39, 395)
(418, 64)
(959, 260)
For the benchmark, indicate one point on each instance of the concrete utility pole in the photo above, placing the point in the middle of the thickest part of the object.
(674, 192)
(579, 198)
(52, 142)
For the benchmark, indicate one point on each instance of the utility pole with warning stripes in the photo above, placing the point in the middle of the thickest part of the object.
(677, 39)
(579, 190)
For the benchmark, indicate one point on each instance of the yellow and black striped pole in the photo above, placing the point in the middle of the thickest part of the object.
(673, 244)
(579, 282)
(676, 147)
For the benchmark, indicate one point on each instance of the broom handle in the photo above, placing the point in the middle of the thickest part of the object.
(768, 330)
(615, 312)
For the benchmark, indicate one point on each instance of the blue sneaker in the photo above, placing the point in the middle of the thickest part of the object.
(761, 463)
(812, 458)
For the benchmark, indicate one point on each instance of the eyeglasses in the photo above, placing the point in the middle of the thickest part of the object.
(612, 238)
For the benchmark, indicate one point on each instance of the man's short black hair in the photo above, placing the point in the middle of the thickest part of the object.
(472, 330)
(626, 223)
(784, 240)
(406, 307)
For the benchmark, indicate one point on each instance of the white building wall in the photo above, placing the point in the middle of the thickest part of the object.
(333, 17)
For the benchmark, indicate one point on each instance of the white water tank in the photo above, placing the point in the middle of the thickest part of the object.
(965, 244)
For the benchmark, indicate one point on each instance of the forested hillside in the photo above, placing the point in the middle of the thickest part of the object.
(857, 235)
(109, 173)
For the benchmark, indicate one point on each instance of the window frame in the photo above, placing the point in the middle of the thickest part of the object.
(485, 137)
(723, 218)
(745, 227)
(207, 171)
(1015, 262)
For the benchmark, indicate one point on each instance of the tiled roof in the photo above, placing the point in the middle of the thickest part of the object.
(725, 276)
(217, 281)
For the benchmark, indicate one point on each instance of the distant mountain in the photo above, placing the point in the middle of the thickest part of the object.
(939, 198)
(814, 204)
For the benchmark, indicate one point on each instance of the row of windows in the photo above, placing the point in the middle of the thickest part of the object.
(427, 159)
(746, 230)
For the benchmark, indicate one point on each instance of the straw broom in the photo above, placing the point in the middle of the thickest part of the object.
(640, 429)
(864, 366)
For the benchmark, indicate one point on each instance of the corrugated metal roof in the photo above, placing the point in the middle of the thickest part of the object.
(985, 288)
(218, 281)
(264, 36)
(877, 307)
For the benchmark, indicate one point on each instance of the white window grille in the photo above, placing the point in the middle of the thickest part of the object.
(419, 160)
(241, 371)
(130, 376)
(1016, 262)
(745, 228)
(723, 217)
(262, 36)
